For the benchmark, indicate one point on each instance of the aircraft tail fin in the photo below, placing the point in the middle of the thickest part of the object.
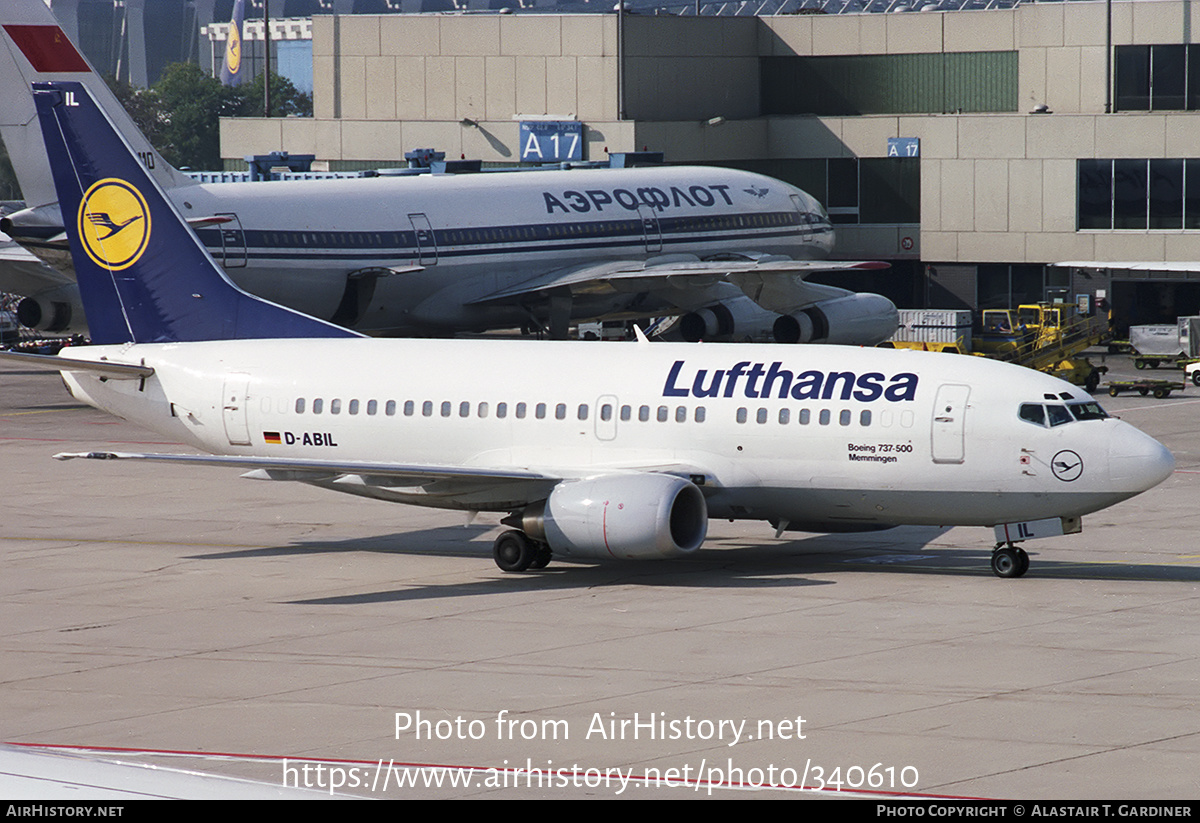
(33, 49)
(143, 275)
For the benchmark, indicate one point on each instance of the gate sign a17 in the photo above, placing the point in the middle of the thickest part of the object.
(904, 147)
(551, 141)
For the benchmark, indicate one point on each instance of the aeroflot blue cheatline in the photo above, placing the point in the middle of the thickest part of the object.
(615, 450)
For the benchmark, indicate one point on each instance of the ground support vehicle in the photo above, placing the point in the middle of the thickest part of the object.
(1159, 388)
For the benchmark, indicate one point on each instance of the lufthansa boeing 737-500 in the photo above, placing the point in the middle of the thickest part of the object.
(613, 450)
(728, 251)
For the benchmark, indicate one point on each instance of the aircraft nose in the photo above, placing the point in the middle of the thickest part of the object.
(1137, 461)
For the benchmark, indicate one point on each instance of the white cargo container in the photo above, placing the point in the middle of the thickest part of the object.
(1189, 336)
(935, 326)
(1158, 339)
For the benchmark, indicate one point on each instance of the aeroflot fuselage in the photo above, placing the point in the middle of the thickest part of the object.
(817, 437)
(321, 245)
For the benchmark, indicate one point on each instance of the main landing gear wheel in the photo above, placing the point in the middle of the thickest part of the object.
(514, 552)
(541, 556)
(1010, 562)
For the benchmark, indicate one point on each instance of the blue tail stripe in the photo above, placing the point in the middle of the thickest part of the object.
(143, 275)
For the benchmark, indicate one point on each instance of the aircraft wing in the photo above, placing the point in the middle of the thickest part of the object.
(474, 487)
(773, 282)
(304, 469)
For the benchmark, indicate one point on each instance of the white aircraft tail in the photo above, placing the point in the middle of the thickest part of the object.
(36, 49)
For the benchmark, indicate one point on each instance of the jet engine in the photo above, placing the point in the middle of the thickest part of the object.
(857, 319)
(740, 319)
(58, 310)
(627, 516)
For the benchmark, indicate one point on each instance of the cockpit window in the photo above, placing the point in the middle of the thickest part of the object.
(1033, 413)
(1058, 415)
(1087, 411)
(1053, 414)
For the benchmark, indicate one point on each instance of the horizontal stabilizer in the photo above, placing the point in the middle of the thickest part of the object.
(113, 371)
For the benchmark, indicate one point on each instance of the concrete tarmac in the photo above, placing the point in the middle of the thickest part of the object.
(183, 610)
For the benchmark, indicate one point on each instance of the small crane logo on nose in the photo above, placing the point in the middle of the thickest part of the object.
(1067, 465)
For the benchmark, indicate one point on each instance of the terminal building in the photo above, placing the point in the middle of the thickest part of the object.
(986, 153)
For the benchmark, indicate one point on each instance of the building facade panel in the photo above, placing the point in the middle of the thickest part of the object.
(410, 88)
(408, 35)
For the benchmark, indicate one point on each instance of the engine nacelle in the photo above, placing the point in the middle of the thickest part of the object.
(856, 320)
(626, 516)
(58, 310)
(733, 320)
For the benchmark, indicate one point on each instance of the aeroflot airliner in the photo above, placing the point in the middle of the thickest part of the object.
(437, 253)
(616, 450)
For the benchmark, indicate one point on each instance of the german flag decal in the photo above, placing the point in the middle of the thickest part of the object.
(272, 438)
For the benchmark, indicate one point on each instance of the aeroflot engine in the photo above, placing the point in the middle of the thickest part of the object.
(628, 516)
(862, 319)
(857, 319)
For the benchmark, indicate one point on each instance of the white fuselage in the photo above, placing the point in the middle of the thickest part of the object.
(470, 235)
(860, 438)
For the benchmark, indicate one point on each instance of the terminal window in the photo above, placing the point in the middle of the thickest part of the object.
(1158, 78)
(1138, 194)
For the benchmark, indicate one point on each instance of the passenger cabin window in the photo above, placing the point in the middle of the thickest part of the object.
(318, 404)
(299, 405)
(390, 408)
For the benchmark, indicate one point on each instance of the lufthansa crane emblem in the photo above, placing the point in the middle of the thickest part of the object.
(113, 224)
(1067, 465)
